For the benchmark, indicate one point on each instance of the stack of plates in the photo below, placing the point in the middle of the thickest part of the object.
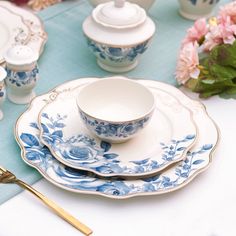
(19, 26)
(175, 147)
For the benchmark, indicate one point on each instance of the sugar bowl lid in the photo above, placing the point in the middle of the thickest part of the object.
(21, 55)
(119, 14)
(3, 73)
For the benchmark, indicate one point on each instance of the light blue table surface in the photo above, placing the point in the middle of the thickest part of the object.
(67, 57)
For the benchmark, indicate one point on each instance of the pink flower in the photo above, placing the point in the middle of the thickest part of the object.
(229, 10)
(195, 33)
(187, 64)
(222, 33)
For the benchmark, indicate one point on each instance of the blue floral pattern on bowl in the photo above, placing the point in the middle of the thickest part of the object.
(22, 78)
(40, 157)
(210, 2)
(86, 153)
(121, 131)
(117, 54)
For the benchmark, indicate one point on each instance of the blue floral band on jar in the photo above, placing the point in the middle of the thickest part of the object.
(21, 78)
(2, 91)
(117, 54)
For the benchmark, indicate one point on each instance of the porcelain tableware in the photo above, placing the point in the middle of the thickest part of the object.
(115, 109)
(3, 75)
(195, 9)
(118, 33)
(12, 32)
(37, 37)
(22, 73)
(163, 142)
(146, 4)
(35, 154)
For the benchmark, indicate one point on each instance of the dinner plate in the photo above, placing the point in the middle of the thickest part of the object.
(13, 31)
(35, 154)
(38, 36)
(163, 142)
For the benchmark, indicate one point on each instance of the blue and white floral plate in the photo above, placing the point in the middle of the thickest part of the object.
(163, 142)
(35, 154)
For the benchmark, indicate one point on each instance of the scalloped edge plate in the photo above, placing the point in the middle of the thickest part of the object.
(176, 177)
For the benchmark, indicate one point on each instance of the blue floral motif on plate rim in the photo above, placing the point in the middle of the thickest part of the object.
(86, 153)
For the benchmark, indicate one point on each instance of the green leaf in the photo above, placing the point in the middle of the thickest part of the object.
(208, 81)
(225, 54)
(227, 96)
(218, 72)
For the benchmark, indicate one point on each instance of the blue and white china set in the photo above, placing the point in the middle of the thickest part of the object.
(83, 146)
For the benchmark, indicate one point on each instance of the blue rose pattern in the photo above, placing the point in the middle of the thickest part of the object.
(116, 54)
(107, 129)
(84, 152)
(210, 2)
(39, 156)
(22, 78)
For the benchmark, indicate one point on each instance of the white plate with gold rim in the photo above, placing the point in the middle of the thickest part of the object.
(13, 31)
(38, 36)
(35, 154)
(169, 135)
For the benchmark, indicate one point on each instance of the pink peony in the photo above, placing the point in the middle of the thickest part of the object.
(187, 64)
(229, 10)
(195, 33)
(218, 34)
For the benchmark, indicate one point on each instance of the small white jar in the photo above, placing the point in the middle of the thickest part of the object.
(3, 75)
(118, 33)
(22, 73)
(195, 9)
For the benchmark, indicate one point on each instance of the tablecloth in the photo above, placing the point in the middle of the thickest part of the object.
(67, 57)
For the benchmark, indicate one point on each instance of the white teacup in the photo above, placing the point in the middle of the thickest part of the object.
(195, 9)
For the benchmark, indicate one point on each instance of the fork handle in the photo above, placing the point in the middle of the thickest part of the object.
(58, 210)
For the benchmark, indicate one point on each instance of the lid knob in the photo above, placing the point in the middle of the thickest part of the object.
(119, 14)
(119, 3)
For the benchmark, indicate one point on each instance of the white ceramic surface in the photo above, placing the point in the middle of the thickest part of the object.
(22, 73)
(117, 102)
(195, 9)
(3, 75)
(173, 179)
(12, 32)
(38, 36)
(146, 4)
(164, 141)
(118, 35)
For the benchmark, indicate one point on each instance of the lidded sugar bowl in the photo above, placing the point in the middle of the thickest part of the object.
(118, 32)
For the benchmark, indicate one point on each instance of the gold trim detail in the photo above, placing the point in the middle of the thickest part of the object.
(201, 106)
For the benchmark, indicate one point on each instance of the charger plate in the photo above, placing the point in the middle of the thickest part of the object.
(37, 37)
(163, 142)
(13, 31)
(35, 154)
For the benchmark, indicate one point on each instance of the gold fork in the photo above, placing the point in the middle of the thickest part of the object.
(6, 177)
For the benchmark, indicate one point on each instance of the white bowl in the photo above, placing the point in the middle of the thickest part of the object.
(194, 10)
(146, 4)
(115, 109)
